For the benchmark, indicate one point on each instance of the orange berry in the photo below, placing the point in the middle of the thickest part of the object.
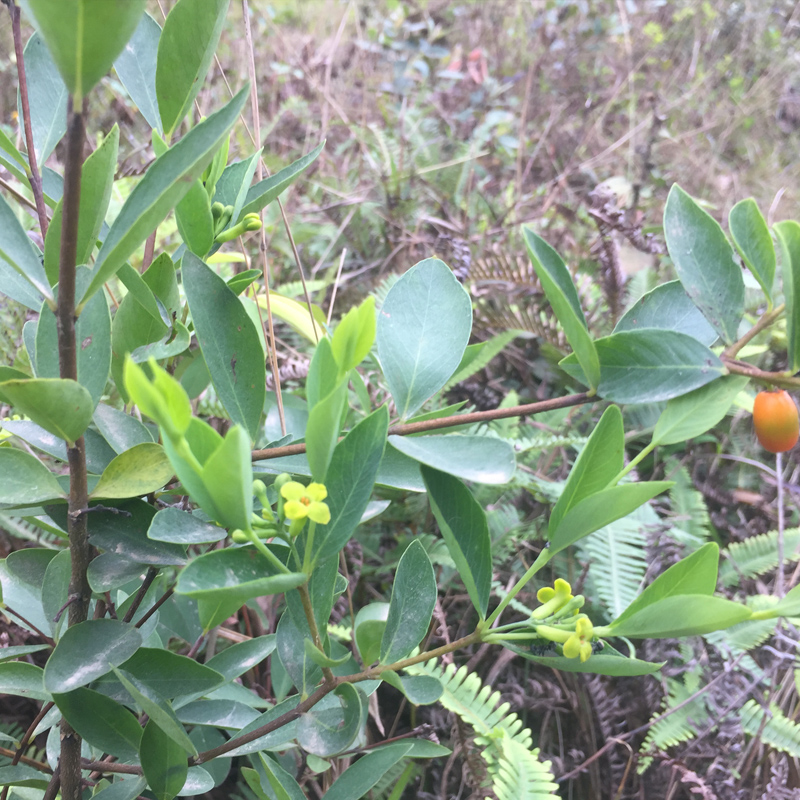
(775, 420)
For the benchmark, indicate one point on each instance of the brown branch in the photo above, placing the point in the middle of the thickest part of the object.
(770, 378)
(449, 422)
(77, 527)
(35, 177)
(137, 601)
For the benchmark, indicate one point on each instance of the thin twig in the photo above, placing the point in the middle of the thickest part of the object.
(449, 422)
(336, 284)
(35, 176)
(273, 355)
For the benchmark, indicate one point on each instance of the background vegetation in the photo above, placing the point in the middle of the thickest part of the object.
(448, 125)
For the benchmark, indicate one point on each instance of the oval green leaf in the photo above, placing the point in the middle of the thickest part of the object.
(136, 472)
(703, 259)
(600, 461)
(232, 351)
(26, 481)
(669, 308)
(600, 509)
(788, 233)
(474, 458)
(136, 69)
(693, 414)
(162, 187)
(423, 330)
(411, 606)
(751, 236)
(563, 298)
(462, 522)
(185, 49)
(85, 36)
(163, 762)
(645, 366)
(87, 651)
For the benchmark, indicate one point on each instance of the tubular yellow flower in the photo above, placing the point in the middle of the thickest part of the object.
(580, 643)
(553, 599)
(305, 501)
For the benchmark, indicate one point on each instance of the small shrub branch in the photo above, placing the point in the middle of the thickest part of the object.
(35, 176)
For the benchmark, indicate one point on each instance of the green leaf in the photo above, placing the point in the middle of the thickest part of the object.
(421, 690)
(669, 308)
(788, 233)
(354, 335)
(162, 187)
(123, 790)
(55, 590)
(126, 534)
(369, 626)
(232, 350)
(187, 44)
(87, 651)
(163, 762)
(122, 431)
(351, 476)
(21, 775)
(474, 458)
(704, 262)
(600, 461)
(322, 659)
(322, 431)
(162, 398)
(20, 252)
(228, 478)
(171, 675)
(360, 777)
(97, 179)
(17, 651)
(13, 285)
(423, 330)
(20, 679)
(411, 606)
(136, 69)
(47, 98)
(681, 615)
(231, 188)
(600, 509)
(93, 337)
(646, 366)
(195, 223)
(62, 407)
(300, 669)
(607, 662)
(693, 414)
(696, 575)
(238, 658)
(26, 481)
(264, 192)
(102, 722)
(136, 472)
(462, 522)
(180, 527)
(158, 709)
(85, 36)
(563, 298)
(325, 731)
(235, 574)
(751, 236)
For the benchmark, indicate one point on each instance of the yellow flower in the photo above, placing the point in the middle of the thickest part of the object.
(580, 643)
(305, 501)
(553, 599)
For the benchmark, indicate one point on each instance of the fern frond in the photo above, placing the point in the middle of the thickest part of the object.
(778, 731)
(537, 439)
(513, 766)
(757, 555)
(617, 556)
(477, 356)
(383, 289)
(679, 726)
(689, 511)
